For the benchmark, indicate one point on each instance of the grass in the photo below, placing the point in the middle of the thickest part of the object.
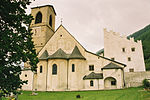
(125, 94)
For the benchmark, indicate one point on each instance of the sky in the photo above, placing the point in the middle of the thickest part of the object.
(86, 19)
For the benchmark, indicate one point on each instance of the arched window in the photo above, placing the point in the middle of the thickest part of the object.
(54, 69)
(73, 68)
(91, 83)
(38, 18)
(41, 69)
(50, 20)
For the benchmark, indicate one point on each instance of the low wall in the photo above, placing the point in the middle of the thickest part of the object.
(134, 79)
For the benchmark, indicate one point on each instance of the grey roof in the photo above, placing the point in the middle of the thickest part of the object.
(93, 75)
(76, 54)
(59, 54)
(44, 55)
(112, 66)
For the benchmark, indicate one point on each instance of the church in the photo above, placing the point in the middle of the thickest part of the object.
(65, 65)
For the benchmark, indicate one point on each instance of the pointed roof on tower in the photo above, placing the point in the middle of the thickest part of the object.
(59, 54)
(76, 54)
(44, 55)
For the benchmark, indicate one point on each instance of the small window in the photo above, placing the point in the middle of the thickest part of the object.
(50, 20)
(38, 18)
(131, 70)
(91, 67)
(123, 49)
(41, 69)
(54, 69)
(113, 82)
(25, 75)
(35, 32)
(112, 58)
(60, 35)
(132, 49)
(129, 58)
(73, 68)
(91, 83)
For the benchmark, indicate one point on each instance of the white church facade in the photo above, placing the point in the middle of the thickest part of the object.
(65, 65)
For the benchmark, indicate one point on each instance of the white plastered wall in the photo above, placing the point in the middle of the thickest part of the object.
(114, 73)
(27, 75)
(65, 78)
(113, 44)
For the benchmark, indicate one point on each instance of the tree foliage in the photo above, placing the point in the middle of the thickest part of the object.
(16, 44)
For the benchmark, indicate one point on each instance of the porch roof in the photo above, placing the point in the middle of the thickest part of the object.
(93, 75)
(112, 66)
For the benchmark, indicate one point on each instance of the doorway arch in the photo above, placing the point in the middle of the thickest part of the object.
(110, 83)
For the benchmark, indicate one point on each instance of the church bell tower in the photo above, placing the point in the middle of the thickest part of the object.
(43, 25)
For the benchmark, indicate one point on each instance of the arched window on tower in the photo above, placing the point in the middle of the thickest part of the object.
(91, 83)
(41, 69)
(38, 18)
(54, 69)
(50, 20)
(73, 67)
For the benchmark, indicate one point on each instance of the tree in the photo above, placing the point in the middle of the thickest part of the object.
(16, 45)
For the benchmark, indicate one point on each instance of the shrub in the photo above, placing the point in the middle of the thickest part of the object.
(146, 84)
(78, 96)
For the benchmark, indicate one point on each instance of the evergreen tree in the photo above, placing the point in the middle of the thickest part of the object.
(16, 44)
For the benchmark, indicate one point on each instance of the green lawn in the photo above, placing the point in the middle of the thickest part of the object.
(125, 94)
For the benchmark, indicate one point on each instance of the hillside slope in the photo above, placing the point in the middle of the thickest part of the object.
(144, 35)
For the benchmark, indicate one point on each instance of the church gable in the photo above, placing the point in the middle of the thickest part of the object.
(64, 40)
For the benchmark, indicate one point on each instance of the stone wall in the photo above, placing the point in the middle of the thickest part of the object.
(134, 79)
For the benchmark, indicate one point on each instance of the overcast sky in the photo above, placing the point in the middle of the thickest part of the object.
(86, 19)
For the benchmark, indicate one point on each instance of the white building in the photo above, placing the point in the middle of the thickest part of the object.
(65, 65)
(124, 50)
